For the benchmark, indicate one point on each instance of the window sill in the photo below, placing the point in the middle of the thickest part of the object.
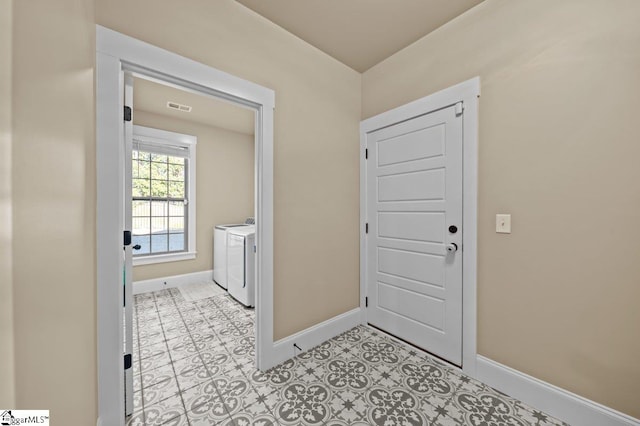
(162, 258)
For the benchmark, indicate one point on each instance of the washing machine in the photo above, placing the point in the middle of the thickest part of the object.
(241, 264)
(220, 250)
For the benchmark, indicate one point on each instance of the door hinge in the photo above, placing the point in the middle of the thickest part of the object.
(366, 302)
(127, 361)
(127, 238)
(459, 108)
(366, 228)
(366, 154)
(127, 113)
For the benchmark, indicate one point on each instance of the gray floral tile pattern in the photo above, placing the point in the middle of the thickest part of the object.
(303, 403)
(424, 379)
(394, 407)
(194, 365)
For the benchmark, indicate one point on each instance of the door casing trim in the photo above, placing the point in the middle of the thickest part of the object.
(115, 53)
(467, 92)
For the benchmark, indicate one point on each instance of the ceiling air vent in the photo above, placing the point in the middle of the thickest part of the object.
(178, 107)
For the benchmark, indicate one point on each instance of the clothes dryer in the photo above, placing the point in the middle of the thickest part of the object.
(220, 251)
(241, 264)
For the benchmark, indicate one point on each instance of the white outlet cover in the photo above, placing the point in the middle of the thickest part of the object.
(503, 223)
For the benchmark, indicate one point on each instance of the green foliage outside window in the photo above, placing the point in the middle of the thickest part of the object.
(158, 202)
(156, 175)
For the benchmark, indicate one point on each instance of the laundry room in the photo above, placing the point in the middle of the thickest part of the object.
(223, 180)
(192, 220)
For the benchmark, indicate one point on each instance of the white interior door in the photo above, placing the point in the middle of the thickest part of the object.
(414, 240)
(128, 259)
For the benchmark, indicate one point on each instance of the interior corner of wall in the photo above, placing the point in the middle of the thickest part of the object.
(7, 370)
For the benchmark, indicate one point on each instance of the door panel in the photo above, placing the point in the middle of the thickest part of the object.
(421, 267)
(128, 256)
(419, 226)
(412, 186)
(417, 145)
(414, 193)
(425, 310)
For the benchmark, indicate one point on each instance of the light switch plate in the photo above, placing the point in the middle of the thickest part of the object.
(503, 223)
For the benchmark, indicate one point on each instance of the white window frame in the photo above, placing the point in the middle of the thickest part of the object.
(164, 137)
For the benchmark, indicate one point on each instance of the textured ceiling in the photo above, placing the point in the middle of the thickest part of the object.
(152, 97)
(360, 33)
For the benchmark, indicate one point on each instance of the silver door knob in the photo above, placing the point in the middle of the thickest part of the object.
(452, 248)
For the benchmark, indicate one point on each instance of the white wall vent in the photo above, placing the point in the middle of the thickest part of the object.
(178, 107)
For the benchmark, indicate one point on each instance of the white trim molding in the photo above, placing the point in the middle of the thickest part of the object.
(116, 54)
(156, 284)
(313, 336)
(552, 400)
(468, 93)
(164, 257)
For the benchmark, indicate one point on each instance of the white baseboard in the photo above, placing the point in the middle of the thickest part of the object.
(306, 339)
(156, 284)
(543, 396)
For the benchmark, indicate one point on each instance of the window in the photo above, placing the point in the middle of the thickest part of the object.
(163, 195)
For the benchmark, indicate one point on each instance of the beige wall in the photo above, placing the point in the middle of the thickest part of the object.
(316, 141)
(316, 161)
(224, 187)
(53, 176)
(558, 297)
(6, 286)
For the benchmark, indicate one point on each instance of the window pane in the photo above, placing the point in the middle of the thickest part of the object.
(176, 208)
(176, 172)
(176, 160)
(176, 224)
(159, 243)
(176, 242)
(158, 224)
(140, 225)
(145, 244)
(140, 208)
(144, 169)
(144, 155)
(176, 189)
(159, 171)
(134, 168)
(140, 188)
(159, 188)
(159, 208)
(161, 158)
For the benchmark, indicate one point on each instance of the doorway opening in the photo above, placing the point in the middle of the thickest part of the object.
(120, 60)
(189, 201)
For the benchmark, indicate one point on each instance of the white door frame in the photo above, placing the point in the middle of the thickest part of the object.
(116, 53)
(128, 251)
(468, 93)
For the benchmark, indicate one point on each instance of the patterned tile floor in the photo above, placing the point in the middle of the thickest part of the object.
(194, 366)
